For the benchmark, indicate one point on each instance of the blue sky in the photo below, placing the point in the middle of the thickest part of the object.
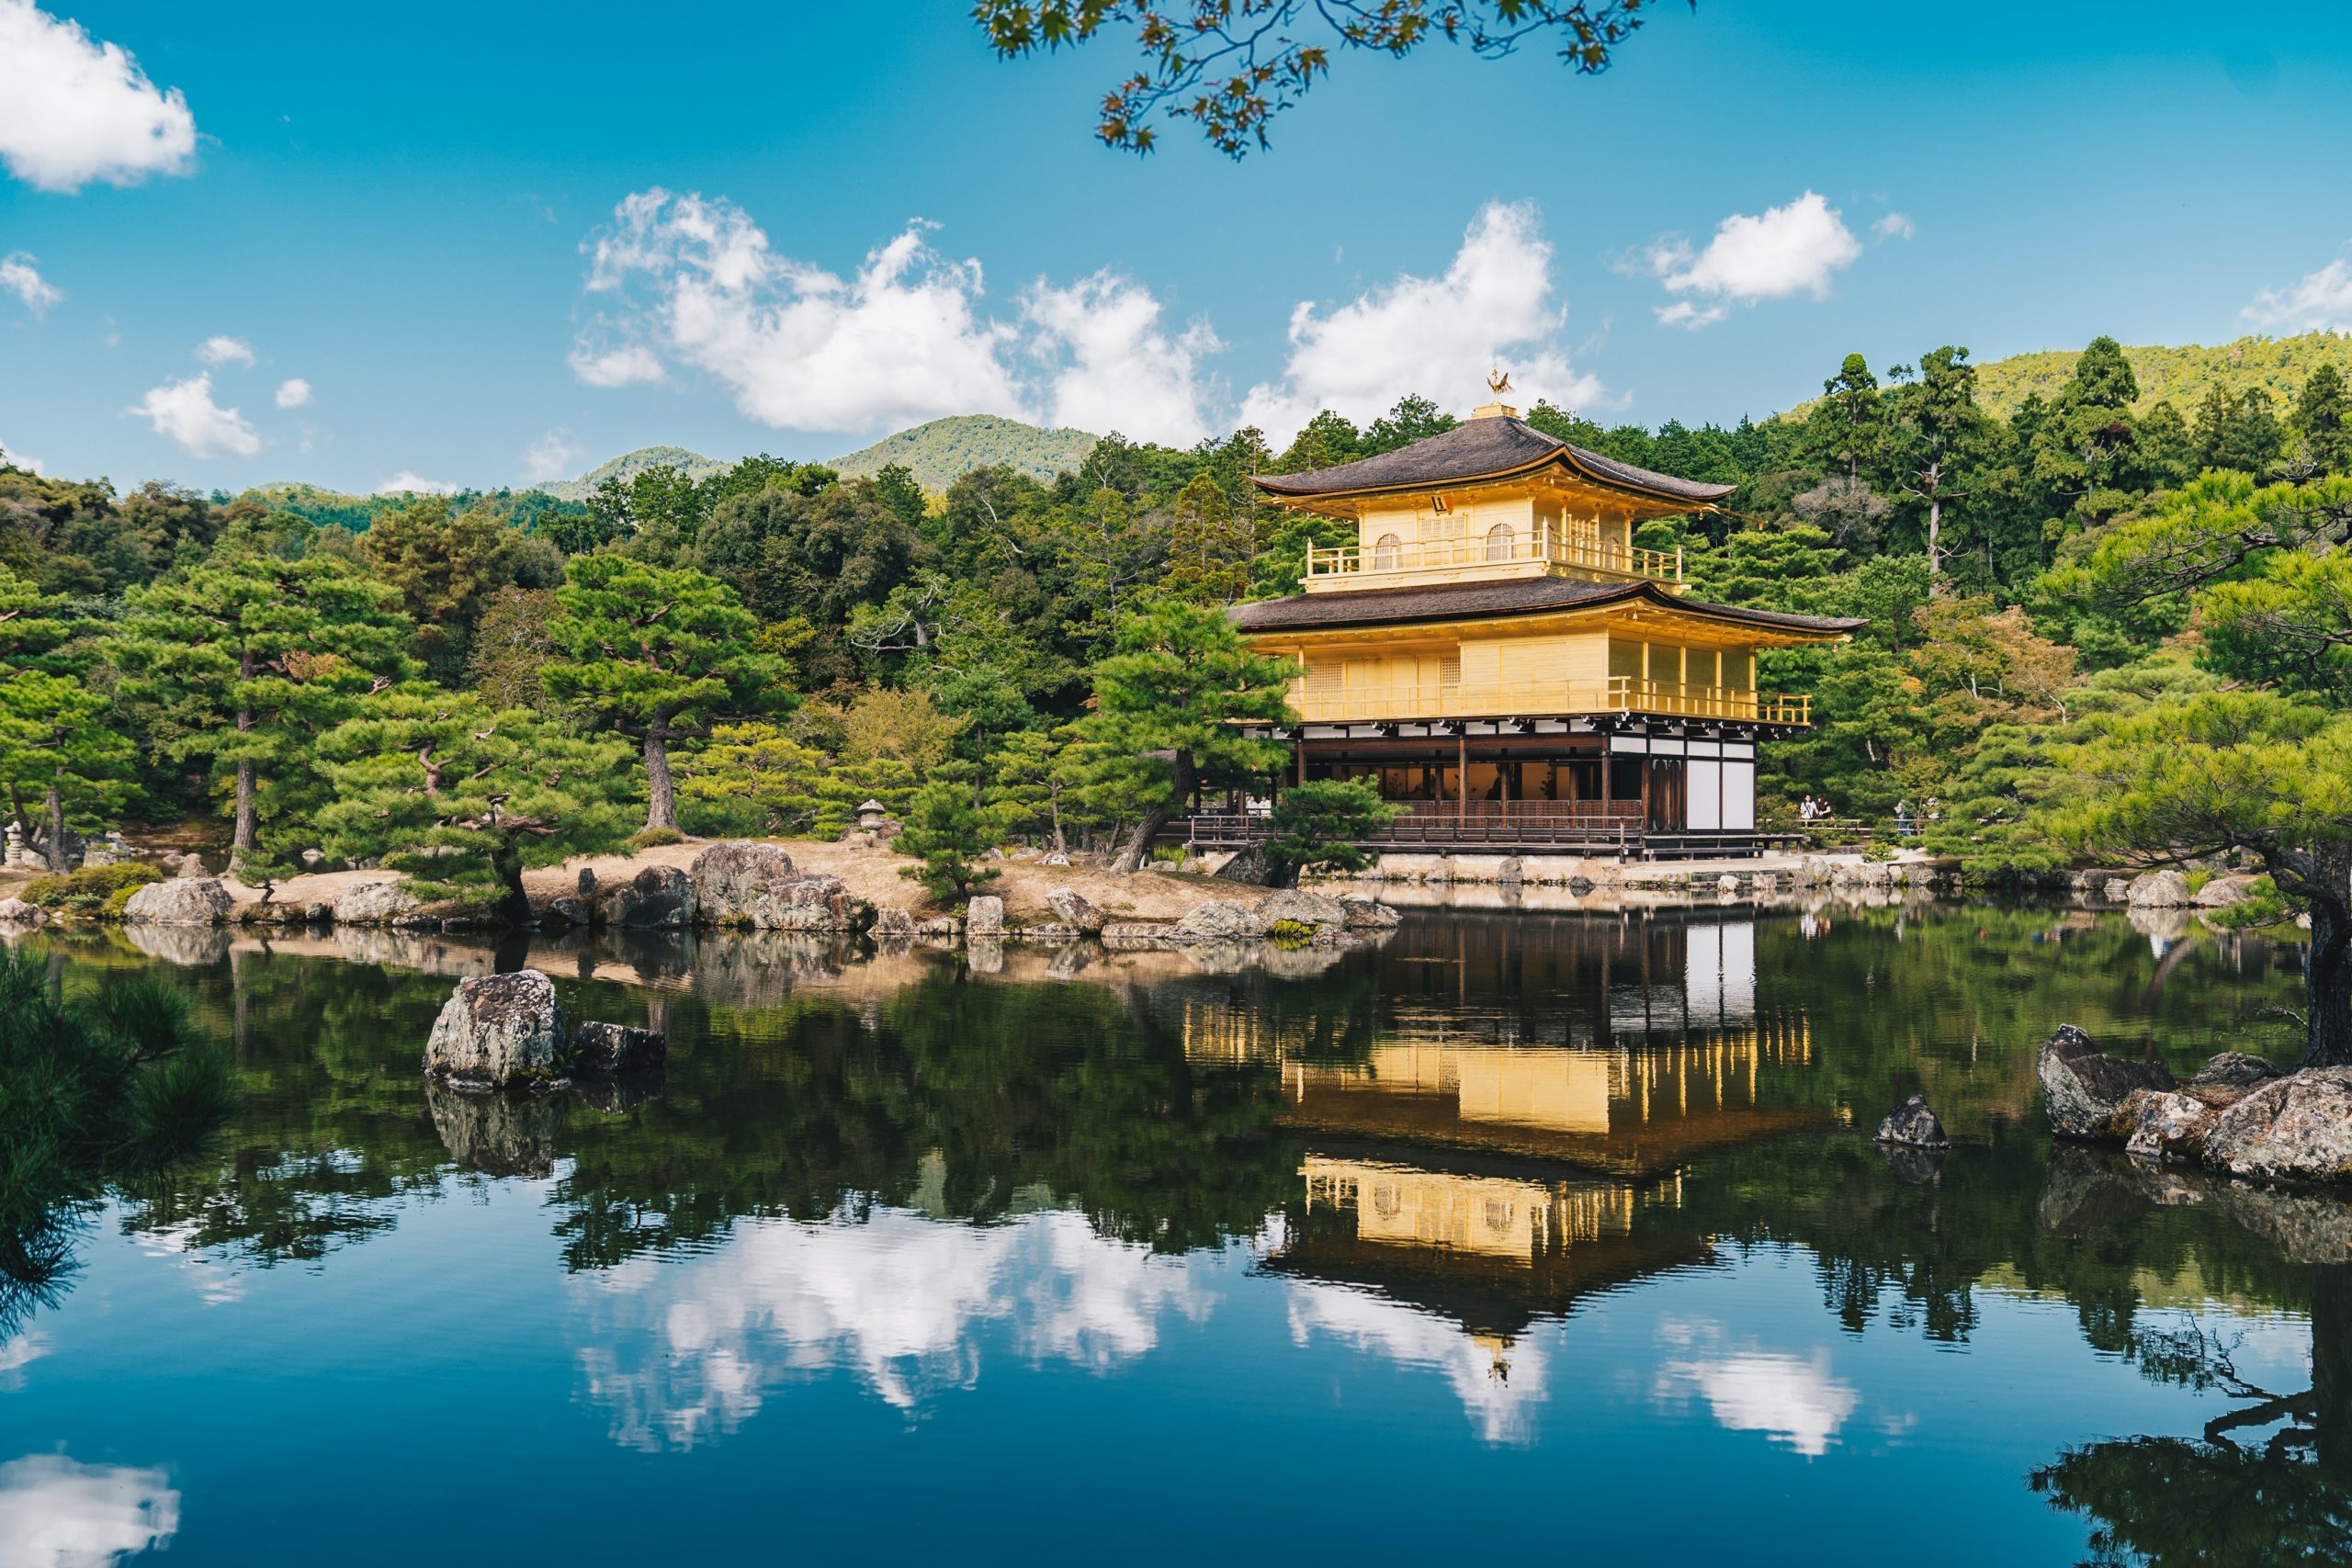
(496, 242)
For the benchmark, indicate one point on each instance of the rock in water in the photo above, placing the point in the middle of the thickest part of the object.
(496, 1029)
(1215, 921)
(604, 1050)
(2236, 1069)
(730, 878)
(2087, 1091)
(659, 898)
(818, 903)
(2158, 890)
(892, 921)
(1306, 908)
(183, 901)
(2298, 1128)
(984, 918)
(1071, 908)
(385, 903)
(1365, 915)
(16, 912)
(563, 909)
(2169, 1127)
(1912, 1125)
(497, 1134)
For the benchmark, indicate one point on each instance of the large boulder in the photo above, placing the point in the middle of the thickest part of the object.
(1217, 921)
(730, 878)
(2298, 1128)
(16, 912)
(2222, 892)
(2170, 1128)
(892, 921)
(496, 1029)
(384, 903)
(2158, 890)
(1303, 907)
(1365, 915)
(819, 903)
(1071, 907)
(602, 1050)
(182, 901)
(984, 918)
(2087, 1091)
(2235, 1069)
(659, 897)
(1913, 1125)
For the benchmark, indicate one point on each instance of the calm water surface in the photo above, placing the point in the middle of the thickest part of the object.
(1552, 1238)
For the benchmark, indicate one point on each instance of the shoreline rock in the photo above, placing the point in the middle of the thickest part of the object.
(1912, 1125)
(2237, 1116)
(182, 901)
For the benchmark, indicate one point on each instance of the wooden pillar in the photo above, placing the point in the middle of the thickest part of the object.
(1645, 794)
(1302, 756)
(1461, 777)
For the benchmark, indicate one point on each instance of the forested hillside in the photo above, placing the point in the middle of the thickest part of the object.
(2098, 626)
(940, 453)
(629, 465)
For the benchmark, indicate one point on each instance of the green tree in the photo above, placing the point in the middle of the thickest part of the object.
(1319, 825)
(59, 741)
(948, 832)
(754, 778)
(1846, 426)
(464, 798)
(448, 564)
(242, 662)
(1168, 702)
(1230, 66)
(2321, 420)
(656, 653)
(1209, 545)
(1936, 440)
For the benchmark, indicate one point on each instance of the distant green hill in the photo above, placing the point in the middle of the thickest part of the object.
(2181, 376)
(324, 506)
(629, 465)
(944, 451)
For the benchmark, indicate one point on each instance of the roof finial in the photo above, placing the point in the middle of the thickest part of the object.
(1497, 382)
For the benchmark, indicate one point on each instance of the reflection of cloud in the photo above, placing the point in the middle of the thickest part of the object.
(55, 1513)
(216, 1283)
(1794, 1399)
(18, 1353)
(683, 1348)
(1499, 1384)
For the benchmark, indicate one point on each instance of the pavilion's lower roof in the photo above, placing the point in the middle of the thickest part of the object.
(1513, 596)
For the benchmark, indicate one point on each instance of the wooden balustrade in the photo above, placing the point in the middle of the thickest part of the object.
(1412, 700)
(1607, 557)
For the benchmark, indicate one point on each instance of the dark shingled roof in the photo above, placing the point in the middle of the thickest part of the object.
(1516, 596)
(1481, 448)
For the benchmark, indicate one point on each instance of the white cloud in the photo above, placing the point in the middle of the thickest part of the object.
(293, 392)
(221, 349)
(21, 278)
(407, 482)
(551, 457)
(10, 456)
(1795, 1402)
(58, 1513)
(1436, 336)
(2318, 301)
(185, 414)
(1785, 251)
(1500, 1387)
(695, 284)
(74, 109)
(1894, 226)
(623, 366)
(1123, 371)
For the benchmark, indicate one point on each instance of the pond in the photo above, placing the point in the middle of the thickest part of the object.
(1553, 1238)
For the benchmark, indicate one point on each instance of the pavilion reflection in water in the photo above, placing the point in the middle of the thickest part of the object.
(1505, 1138)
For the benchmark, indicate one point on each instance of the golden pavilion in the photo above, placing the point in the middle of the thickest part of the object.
(1499, 655)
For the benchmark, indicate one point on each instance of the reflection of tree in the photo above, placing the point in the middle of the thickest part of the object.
(2235, 1497)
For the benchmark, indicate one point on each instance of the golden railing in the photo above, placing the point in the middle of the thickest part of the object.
(1604, 556)
(1619, 693)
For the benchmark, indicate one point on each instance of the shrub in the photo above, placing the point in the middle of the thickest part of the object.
(654, 838)
(1291, 933)
(2263, 906)
(93, 890)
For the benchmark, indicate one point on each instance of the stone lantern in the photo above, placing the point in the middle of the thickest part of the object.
(872, 816)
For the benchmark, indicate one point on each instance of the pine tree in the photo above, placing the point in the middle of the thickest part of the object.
(1208, 546)
(465, 798)
(242, 661)
(656, 654)
(2321, 419)
(1317, 824)
(949, 832)
(60, 743)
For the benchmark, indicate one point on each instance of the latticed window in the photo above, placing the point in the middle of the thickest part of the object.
(1499, 542)
(1385, 552)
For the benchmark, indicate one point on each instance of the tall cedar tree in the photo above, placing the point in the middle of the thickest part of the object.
(1166, 703)
(465, 798)
(659, 655)
(58, 742)
(244, 661)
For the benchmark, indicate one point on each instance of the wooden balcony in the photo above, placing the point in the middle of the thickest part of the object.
(1371, 567)
(1411, 701)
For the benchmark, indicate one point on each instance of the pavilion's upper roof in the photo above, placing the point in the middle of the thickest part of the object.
(1490, 448)
(1510, 596)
